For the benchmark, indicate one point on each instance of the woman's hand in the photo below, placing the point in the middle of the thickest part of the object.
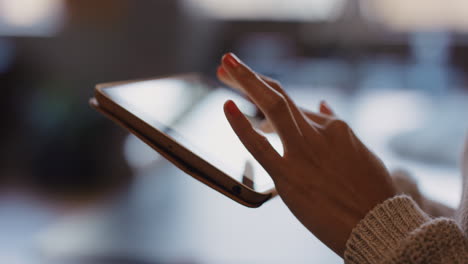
(326, 176)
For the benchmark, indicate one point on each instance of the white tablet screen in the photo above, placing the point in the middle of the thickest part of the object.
(191, 112)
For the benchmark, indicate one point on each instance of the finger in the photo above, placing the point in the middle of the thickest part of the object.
(255, 143)
(326, 109)
(271, 102)
(225, 78)
(323, 117)
(297, 112)
(318, 120)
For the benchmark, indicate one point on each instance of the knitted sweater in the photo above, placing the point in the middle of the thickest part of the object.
(399, 231)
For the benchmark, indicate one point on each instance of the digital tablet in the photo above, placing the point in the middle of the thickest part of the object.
(182, 118)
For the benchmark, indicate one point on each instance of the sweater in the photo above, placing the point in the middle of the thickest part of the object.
(403, 229)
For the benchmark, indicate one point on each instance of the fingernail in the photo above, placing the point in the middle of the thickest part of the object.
(231, 60)
(232, 108)
(221, 71)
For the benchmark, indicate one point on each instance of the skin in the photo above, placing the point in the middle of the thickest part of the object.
(327, 177)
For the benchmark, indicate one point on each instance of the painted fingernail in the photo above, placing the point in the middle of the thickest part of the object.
(231, 60)
(232, 108)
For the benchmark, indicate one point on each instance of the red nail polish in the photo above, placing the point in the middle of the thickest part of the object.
(231, 60)
(232, 109)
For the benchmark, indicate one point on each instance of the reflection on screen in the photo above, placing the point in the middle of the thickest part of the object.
(192, 113)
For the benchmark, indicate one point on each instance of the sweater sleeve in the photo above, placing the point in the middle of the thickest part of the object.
(398, 231)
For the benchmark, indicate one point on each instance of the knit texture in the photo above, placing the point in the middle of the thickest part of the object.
(398, 231)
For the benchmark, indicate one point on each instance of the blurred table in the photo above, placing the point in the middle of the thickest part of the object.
(22, 217)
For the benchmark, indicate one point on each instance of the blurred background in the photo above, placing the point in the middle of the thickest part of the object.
(75, 188)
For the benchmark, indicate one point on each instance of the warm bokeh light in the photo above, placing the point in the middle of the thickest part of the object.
(421, 14)
(31, 17)
(312, 10)
(26, 13)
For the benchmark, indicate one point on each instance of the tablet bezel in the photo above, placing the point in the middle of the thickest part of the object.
(175, 152)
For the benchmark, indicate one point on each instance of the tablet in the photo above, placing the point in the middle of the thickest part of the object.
(182, 118)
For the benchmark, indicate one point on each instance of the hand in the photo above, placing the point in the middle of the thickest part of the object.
(326, 176)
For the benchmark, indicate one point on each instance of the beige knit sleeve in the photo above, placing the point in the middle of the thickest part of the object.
(398, 231)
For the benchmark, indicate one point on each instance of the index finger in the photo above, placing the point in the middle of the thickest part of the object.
(297, 112)
(271, 102)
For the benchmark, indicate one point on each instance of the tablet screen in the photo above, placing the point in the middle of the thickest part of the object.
(191, 112)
